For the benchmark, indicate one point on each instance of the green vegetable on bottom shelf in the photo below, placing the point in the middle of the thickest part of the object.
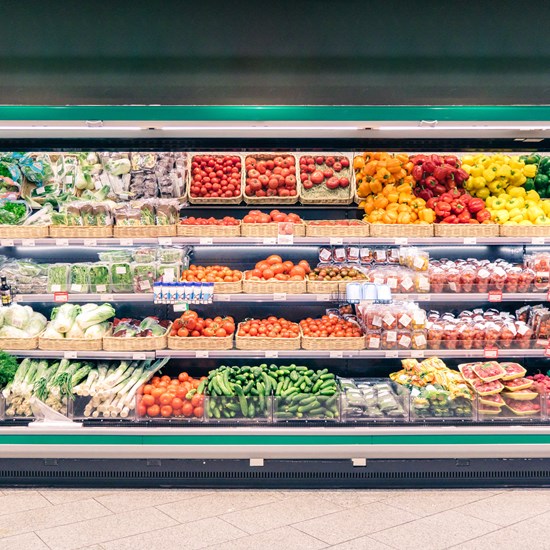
(8, 368)
(299, 392)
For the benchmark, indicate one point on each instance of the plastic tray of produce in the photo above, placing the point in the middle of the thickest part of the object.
(431, 404)
(373, 400)
(239, 409)
(307, 407)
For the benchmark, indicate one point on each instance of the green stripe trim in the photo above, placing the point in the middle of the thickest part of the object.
(259, 113)
(277, 440)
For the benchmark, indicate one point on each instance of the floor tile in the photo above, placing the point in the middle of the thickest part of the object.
(352, 498)
(61, 496)
(191, 536)
(354, 522)
(26, 541)
(101, 530)
(278, 514)
(211, 505)
(276, 539)
(425, 503)
(362, 543)
(50, 516)
(509, 507)
(434, 532)
(19, 502)
(521, 535)
(124, 501)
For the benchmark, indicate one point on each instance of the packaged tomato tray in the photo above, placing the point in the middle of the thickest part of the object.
(487, 388)
(494, 400)
(489, 371)
(521, 395)
(486, 410)
(523, 408)
(513, 371)
(467, 371)
(518, 384)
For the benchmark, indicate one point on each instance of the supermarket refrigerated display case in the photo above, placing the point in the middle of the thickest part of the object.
(421, 449)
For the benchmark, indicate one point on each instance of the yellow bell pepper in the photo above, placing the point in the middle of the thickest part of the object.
(545, 205)
(533, 195)
(502, 216)
(517, 192)
(526, 222)
(530, 170)
(476, 170)
(483, 193)
(489, 174)
(542, 220)
(517, 219)
(427, 215)
(534, 212)
(515, 202)
(498, 204)
(516, 212)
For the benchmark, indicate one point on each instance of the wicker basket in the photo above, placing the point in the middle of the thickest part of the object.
(401, 230)
(524, 230)
(331, 198)
(466, 230)
(273, 200)
(333, 344)
(214, 200)
(144, 231)
(72, 344)
(263, 343)
(200, 342)
(78, 231)
(274, 287)
(228, 288)
(270, 229)
(148, 343)
(323, 287)
(23, 231)
(209, 230)
(359, 230)
(19, 343)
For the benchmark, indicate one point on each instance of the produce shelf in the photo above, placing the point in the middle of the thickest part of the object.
(121, 355)
(282, 297)
(272, 241)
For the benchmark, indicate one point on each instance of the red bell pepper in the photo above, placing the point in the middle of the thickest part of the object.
(430, 182)
(450, 219)
(441, 173)
(428, 166)
(446, 197)
(417, 172)
(419, 159)
(475, 205)
(457, 206)
(439, 189)
(451, 159)
(426, 194)
(460, 176)
(483, 215)
(442, 209)
(464, 217)
(431, 203)
(437, 160)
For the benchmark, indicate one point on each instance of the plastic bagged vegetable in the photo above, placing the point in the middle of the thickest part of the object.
(100, 279)
(121, 277)
(79, 278)
(58, 276)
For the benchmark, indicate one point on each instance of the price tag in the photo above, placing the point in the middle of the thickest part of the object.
(90, 242)
(495, 296)
(548, 296)
(205, 240)
(181, 307)
(336, 240)
(270, 240)
(271, 354)
(60, 297)
(323, 297)
(61, 242)
(470, 240)
(417, 353)
(70, 355)
(424, 297)
(391, 354)
(405, 297)
(165, 241)
(401, 240)
(7, 242)
(279, 297)
(138, 356)
(222, 297)
(28, 242)
(538, 240)
(201, 354)
(490, 352)
(106, 298)
(285, 239)
(126, 242)
(336, 354)
(547, 351)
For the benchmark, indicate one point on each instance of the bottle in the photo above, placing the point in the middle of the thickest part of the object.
(5, 292)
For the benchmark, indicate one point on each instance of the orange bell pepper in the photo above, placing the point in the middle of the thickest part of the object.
(358, 163)
(364, 189)
(389, 217)
(392, 207)
(375, 186)
(380, 202)
(404, 218)
(418, 204)
(405, 198)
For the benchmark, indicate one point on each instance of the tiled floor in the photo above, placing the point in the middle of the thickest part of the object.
(237, 520)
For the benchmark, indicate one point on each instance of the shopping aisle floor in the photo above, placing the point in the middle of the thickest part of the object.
(263, 520)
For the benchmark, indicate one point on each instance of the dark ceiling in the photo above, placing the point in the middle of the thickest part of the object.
(275, 52)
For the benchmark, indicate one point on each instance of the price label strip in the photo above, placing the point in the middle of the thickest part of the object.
(28, 242)
(70, 355)
(206, 240)
(495, 296)
(490, 352)
(201, 354)
(271, 354)
(60, 297)
(165, 241)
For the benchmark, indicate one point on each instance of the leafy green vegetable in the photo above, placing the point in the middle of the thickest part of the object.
(58, 275)
(12, 213)
(8, 368)
(79, 278)
(121, 277)
(99, 278)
